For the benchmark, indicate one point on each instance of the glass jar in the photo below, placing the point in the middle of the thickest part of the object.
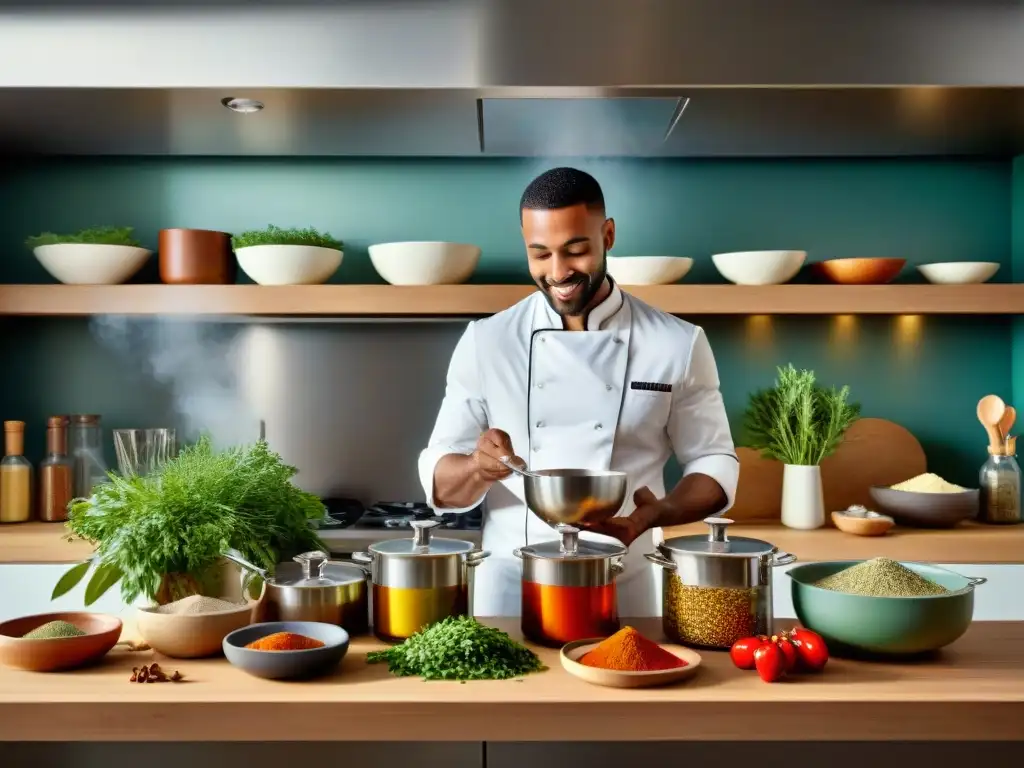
(15, 476)
(569, 590)
(716, 590)
(86, 448)
(999, 481)
(56, 473)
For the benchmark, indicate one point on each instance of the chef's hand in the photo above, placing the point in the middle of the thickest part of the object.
(648, 509)
(493, 445)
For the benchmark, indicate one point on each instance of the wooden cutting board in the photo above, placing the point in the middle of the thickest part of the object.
(874, 452)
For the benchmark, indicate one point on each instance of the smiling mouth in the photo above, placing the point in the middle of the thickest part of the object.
(566, 292)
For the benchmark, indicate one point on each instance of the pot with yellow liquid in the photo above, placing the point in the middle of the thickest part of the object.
(418, 581)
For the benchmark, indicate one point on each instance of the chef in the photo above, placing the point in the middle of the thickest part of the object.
(578, 375)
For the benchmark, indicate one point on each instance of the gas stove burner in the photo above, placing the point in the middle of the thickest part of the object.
(399, 514)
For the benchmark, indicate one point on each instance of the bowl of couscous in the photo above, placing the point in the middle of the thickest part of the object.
(926, 501)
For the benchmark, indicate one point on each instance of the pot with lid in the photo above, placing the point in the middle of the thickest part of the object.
(569, 590)
(716, 590)
(315, 588)
(419, 581)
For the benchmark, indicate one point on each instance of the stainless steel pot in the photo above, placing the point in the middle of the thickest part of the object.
(569, 590)
(418, 581)
(314, 588)
(716, 589)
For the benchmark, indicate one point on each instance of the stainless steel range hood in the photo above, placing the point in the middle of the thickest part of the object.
(648, 78)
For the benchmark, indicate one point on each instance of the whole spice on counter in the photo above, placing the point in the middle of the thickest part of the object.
(713, 617)
(152, 673)
(880, 577)
(459, 648)
(285, 641)
(196, 604)
(629, 651)
(54, 629)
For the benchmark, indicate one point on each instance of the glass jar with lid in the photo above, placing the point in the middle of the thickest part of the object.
(716, 589)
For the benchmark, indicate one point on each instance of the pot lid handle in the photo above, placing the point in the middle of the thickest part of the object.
(312, 564)
(421, 532)
(718, 535)
(570, 538)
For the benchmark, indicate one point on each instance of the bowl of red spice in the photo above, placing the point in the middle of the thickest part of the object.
(627, 659)
(287, 650)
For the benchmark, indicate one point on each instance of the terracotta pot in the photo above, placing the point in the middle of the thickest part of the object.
(196, 257)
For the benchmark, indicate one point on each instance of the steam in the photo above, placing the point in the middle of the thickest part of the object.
(197, 362)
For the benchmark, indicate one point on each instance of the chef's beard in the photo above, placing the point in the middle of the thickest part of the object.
(591, 285)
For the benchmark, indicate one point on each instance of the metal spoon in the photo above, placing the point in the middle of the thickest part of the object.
(519, 470)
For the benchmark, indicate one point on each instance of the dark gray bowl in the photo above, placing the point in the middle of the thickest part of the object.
(926, 510)
(287, 665)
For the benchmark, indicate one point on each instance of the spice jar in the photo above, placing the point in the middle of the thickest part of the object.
(418, 581)
(1000, 502)
(56, 473)
(15, 476)
(569, 590)
(716, 589)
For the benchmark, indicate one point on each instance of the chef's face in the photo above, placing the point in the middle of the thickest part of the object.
(566, 248)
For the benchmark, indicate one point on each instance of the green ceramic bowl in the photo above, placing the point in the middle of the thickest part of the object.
(884, 625)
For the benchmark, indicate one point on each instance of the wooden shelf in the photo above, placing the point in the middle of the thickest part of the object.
(968, 543)
(475, 300)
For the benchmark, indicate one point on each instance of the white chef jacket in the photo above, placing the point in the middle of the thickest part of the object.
(581, 400)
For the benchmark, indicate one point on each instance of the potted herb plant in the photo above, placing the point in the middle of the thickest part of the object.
(95, 256)
(799, 423)
(162, 536)
(275, 256)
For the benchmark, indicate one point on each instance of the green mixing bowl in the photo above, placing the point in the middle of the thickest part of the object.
(883, 625)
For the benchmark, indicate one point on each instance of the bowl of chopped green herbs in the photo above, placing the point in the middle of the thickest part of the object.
(275, 256)
(96, 256)
(883, 607)
(49, 642)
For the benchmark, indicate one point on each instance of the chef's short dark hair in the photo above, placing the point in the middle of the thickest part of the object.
(562, 188)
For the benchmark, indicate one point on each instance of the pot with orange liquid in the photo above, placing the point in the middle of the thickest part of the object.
(419, 581)
(569, 590)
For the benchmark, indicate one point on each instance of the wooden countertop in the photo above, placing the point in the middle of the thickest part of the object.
(967, 543)
(972, 691)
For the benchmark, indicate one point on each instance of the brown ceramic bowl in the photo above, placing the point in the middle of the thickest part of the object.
(103, 632)
(926, 510)
(196, 257)
(858, 271)
(193, 635)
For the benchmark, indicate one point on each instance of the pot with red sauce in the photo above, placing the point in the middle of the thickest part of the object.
(569, 590)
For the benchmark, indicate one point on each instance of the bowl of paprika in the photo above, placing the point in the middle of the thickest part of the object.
(627, 659)
(287, 650)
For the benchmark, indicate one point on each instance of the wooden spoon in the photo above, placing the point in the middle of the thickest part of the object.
(991, 410)
(1006, 423)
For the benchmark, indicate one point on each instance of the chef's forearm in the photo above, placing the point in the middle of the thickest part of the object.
(695, 497)
(457, 482)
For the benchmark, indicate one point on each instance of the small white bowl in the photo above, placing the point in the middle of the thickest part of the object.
(289, 264)
(91, 263)
(648, 270)
(759, 267)
(424, 263)
(959, 272)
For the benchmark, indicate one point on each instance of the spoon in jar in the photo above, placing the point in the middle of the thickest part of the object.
(991, 410)
(1006, 423)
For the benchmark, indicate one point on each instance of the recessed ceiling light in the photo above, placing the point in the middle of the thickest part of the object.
(242, 106)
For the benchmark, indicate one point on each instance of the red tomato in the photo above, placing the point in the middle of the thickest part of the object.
(810, 648)
(770, 662)
(788, 649)
(742, 651)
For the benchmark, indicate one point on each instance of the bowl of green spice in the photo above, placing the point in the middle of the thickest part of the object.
(49, 642)
(883, 607)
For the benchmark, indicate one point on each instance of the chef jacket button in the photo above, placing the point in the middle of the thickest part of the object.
(539, 424)
(618, 340)
(599, 425)
(540, 385)
(608, 387)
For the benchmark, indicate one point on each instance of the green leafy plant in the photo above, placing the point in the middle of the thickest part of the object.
(797, 421)
(276, 236)
(162, 535)
(92, 236)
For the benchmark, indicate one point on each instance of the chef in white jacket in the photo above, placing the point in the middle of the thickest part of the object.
(578, 375)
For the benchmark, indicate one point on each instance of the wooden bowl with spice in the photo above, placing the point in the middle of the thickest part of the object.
(194, 626)
(49, 642)
(627, 659)
(287, 650)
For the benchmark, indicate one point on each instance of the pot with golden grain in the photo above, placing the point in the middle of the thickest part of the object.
(716, 589)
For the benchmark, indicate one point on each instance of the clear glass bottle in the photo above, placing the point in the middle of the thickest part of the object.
(15, 476)
(90, 466)
(1000, 486)
(56, 473)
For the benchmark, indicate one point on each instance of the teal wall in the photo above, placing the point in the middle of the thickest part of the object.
(929, 380)
(1017, 228)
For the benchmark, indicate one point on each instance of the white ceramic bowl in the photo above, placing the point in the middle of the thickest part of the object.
(959, 272)
(424, 263)
(91, 263)
(289, 264)
(648, 270)
(759, 267)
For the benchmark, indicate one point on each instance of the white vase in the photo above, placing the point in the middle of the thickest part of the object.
(803, 502)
